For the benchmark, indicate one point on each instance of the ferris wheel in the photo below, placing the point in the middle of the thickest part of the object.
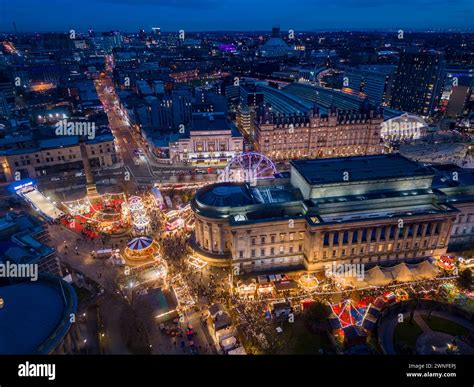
(249, 167)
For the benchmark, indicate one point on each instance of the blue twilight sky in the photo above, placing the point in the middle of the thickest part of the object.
(194, 15)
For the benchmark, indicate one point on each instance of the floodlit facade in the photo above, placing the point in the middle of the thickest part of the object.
(314, 135)
(58, 154)
(210, 139)
(370, 210)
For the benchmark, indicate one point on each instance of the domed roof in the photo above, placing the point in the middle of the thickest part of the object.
(275, 42)
(36, 315)
(226, 195)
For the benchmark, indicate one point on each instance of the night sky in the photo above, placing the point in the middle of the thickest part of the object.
(260, 15)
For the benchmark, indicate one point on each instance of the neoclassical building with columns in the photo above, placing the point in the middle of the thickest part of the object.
(378, 209)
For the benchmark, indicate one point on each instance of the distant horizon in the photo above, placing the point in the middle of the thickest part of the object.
(237, 16)
(268, 31)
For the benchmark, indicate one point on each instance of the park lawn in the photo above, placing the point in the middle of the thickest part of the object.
(446, 326)
(406, 334)
(298, 340)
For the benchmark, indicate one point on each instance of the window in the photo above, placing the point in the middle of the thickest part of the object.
(241, 254)
(252, 253)
(354, 236)
(373, 235)
(392, 232)
(345, 237)
(262, 252)
(326, 239)
(419, 231)
(400, 232)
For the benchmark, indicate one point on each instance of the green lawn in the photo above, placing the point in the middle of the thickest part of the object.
(296, 339)
(446, 326)
(406, 334)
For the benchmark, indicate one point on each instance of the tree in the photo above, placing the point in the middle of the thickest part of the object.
(465, 279)
(316, 315)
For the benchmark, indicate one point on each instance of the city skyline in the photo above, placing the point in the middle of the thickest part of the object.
(237, 178)
(224, 15)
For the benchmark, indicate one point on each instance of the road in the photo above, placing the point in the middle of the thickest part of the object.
(143, 166)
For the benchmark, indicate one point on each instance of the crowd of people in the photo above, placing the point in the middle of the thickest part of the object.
(173, 245)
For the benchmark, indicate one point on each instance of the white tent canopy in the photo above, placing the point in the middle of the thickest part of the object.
(376, 276)
(400, 273)
(43, 205)
(424, 270)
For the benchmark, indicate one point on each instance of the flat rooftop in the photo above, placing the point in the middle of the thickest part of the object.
(275, 194)
(385, 213)
(360, 168)
(209, 121)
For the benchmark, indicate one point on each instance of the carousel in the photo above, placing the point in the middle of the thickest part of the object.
(141, 249)
(308, 281)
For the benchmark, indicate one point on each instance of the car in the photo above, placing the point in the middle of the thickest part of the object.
(55, 179)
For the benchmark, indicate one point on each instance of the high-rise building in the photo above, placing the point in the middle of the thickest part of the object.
(7, 95)
(456, 90)
(416, 83)
(372, 82)
(107, 41)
